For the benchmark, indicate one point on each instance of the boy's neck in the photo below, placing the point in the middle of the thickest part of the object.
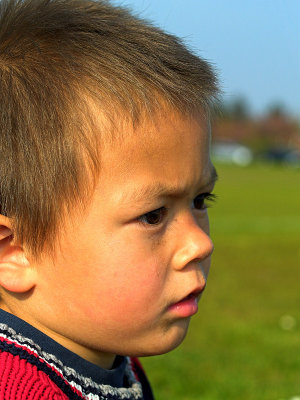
(102, 359)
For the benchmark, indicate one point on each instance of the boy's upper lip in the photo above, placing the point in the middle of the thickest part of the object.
(192, 293)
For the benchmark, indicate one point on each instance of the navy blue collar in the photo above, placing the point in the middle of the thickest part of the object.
(113, 377)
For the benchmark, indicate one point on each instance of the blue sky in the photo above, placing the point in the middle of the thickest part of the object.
(255, 44)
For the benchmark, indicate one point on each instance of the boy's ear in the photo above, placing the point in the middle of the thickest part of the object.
(16, 274)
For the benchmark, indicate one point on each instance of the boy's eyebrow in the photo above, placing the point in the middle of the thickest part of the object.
(157, 190)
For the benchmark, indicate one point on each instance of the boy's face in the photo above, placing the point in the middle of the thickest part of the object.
(128, 273)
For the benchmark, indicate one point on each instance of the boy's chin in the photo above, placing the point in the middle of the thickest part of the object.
(166, 341)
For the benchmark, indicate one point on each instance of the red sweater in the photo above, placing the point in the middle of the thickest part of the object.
(35, 367)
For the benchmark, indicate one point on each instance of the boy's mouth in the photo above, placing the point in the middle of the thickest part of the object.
(187, 306)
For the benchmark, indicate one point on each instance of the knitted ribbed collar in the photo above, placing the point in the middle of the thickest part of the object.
(113, 377)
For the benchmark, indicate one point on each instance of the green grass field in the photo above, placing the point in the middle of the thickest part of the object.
(244, 344)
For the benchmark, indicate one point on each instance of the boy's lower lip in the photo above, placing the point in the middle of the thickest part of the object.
(186, 307)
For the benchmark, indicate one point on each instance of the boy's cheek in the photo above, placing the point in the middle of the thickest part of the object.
(126, 292)
(98, 279)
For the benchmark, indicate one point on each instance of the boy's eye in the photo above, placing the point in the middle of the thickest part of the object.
(201, 201)
(154, 217)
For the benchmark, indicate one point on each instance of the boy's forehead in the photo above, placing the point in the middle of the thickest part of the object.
(159, 125)
(158, 189)
(126, 145)
(159, 146)
(118, 124)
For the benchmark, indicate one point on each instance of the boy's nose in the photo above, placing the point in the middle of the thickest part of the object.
(194, 244)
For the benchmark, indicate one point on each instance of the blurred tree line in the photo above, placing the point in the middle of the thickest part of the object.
(274, 129)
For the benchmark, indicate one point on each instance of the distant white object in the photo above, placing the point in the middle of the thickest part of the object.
(287, 323)
(232, 153)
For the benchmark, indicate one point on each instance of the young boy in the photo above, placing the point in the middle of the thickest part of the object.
(105, 177)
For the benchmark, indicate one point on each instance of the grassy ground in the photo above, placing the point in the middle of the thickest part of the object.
(245, 341)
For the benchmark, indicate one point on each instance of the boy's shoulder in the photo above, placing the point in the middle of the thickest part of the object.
(31, 363)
